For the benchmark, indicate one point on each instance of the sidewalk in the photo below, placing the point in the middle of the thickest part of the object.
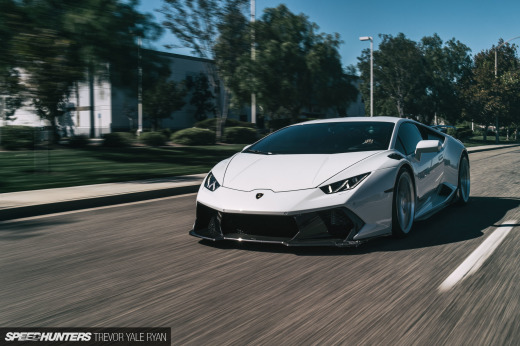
(38, 202)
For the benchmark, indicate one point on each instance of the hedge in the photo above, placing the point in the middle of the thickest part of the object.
(79, 141)
(194, 136)
(464, 133)
(153, 139)
(239, 135)
(211, 124)
(118, 139)
(460, 133)
(19, 137)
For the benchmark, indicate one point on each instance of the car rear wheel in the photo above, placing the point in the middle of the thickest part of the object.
(403, 210)
(464, 184)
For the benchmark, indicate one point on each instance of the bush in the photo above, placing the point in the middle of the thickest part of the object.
(166, 132)
(211, 124)
(464, 133)
(239, 135)
(478, 132)
(194, 136)
(79, 141)
(276, 124)
(452, 132)
(19, 137)
(153, 139)
(118, 139)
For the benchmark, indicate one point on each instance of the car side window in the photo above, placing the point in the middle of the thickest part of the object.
(428, 134)
(407, 138)
(399, 146)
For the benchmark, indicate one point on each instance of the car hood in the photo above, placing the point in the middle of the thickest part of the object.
(248, 172)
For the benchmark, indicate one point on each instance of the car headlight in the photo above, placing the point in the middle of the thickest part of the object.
(343, 185)
(211, 182)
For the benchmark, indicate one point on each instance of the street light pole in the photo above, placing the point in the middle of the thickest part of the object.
(371, 39)
(497, 138)
(253, 57)
(139, 90)
(4, 116)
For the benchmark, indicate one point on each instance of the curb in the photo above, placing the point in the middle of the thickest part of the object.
(505, 146)
(99, 201)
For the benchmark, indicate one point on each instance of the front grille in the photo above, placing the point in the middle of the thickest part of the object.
(338, 223)
(259, 225)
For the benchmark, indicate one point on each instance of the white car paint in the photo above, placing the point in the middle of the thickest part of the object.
(289, 185)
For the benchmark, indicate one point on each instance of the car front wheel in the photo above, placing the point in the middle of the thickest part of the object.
(464, 181)
(403, 209)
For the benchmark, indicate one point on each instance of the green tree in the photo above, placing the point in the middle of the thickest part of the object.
(418, 80)
(446, 68)
(60, 43)
(201, 97)
(492, 99)
(233, 55)
(162, 100)
(399, 78)
(511, 84)
(195, 23)
(295, 69)
(11, 15)
(330, 86)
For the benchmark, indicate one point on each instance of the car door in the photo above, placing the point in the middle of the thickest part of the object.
(437, 159)
(408, 136)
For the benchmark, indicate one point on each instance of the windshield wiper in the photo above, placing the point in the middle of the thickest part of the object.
(253, 151)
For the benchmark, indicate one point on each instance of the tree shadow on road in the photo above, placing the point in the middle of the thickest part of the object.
(451, 225)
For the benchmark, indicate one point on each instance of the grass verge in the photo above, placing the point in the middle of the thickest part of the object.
(479, 140)
(44, 169)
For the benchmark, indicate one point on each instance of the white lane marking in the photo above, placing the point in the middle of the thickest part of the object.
(94, 209)
(478, 257)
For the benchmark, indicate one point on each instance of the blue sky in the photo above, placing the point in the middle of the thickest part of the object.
(478, 23)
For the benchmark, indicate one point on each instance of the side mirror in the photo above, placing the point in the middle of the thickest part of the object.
(427, 146)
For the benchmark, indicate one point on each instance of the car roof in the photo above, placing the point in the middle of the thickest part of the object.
(394, 120)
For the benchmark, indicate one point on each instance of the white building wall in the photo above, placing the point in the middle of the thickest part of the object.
(102, 108)
(27, 117)
(77, 119)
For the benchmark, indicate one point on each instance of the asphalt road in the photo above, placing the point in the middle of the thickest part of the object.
(135, 265)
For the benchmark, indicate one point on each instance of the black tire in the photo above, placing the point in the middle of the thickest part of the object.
(403, 205)
(464, 182)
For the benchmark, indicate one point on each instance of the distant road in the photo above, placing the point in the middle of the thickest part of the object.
(135, 265)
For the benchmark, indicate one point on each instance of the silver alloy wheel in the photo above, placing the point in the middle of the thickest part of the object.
(405, 202)
(464, 180)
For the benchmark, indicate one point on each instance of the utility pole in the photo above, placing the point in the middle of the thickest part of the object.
(253, 57)
(4, 112)
(139, 89)
(92, 100)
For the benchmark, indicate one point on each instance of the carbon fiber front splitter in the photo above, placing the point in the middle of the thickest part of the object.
(330, 227)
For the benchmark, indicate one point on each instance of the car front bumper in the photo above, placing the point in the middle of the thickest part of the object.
(328, 227)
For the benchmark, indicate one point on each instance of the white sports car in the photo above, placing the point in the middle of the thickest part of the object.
(333, 182)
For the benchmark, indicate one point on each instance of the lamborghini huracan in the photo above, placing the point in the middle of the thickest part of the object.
(333, 182)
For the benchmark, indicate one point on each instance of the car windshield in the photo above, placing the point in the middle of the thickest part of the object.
(326, 138)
